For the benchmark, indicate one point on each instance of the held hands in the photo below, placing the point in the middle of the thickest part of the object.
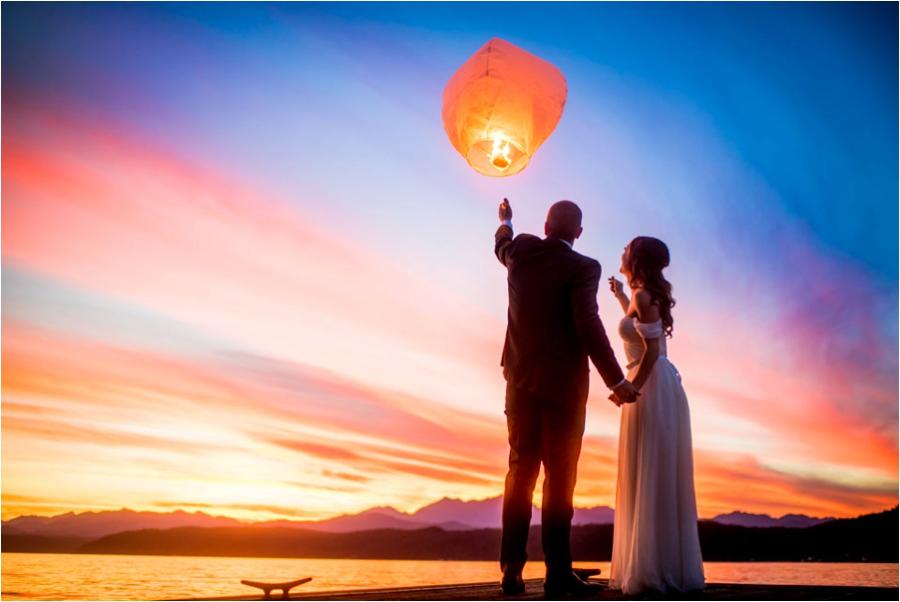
(624, 393)
(505, 211)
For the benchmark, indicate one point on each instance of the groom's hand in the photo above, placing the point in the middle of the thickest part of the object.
(505, 211)
(625, 393)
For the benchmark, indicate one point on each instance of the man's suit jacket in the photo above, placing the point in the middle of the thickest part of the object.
(553, 325)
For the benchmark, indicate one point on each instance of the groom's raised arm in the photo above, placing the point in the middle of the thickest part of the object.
(590, 327)
(503, 242)
(503, 238)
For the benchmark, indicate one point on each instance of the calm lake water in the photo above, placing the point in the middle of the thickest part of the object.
(100, 576)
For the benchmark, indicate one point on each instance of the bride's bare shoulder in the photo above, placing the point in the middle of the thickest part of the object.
(646, 308)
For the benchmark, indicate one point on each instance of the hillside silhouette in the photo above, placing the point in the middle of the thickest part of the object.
(866, 538)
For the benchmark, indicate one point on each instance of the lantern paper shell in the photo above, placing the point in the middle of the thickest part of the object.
(501, 105)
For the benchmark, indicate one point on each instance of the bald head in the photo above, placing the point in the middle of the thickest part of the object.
(563, 221)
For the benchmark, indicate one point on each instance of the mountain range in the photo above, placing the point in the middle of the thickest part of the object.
(447, 514)
(864, 539)
(793, 521)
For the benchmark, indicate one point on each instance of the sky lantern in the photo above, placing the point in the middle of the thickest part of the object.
(501, 105)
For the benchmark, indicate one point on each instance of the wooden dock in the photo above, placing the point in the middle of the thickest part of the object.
(534, 591)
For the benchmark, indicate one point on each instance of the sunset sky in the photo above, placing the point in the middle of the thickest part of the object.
(245, 272)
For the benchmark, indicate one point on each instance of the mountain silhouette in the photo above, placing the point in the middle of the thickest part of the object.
(448, 514)
(845, 540)
(486, 514)
(476, 514)
(744, 519)
(97, 524)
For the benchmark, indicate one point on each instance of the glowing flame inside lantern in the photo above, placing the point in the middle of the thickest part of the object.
(500, 153)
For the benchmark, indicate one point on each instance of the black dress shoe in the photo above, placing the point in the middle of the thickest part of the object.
(569, 584)
(513, 584)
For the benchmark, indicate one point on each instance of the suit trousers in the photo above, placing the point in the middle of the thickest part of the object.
(548, 432)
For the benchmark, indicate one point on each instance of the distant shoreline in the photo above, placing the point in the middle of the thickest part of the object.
(861, 540)
(576, 560)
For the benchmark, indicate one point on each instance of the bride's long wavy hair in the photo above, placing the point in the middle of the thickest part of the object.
(646, 258)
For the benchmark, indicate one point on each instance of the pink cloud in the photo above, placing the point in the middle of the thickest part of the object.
(198, 247)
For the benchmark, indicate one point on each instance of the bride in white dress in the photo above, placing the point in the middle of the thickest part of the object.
(655, 540)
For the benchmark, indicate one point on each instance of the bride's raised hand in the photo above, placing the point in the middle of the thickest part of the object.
(616, 286)
(618, 291)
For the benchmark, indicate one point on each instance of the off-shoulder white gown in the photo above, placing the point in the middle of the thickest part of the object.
(655, 541)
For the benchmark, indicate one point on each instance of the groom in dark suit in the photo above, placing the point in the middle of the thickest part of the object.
(553, 328)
